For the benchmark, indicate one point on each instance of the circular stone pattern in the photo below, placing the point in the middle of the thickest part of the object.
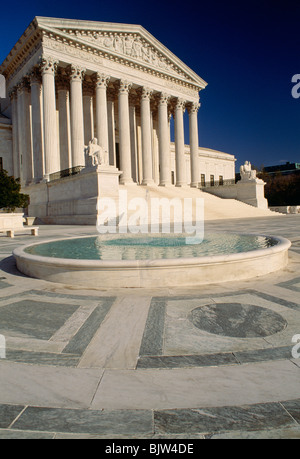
(237, 320)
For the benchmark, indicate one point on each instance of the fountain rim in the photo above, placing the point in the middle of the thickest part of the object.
(21, 254)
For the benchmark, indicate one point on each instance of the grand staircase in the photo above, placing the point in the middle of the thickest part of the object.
(215, 208)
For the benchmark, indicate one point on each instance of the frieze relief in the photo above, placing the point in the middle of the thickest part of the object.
(76, 52)
(133, 46)
(52, 44)
(182, 89)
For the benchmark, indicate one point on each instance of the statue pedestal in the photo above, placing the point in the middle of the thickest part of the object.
(74, 200)
(107, 178)
(252, 192)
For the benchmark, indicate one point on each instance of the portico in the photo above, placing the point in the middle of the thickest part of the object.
(81, 80)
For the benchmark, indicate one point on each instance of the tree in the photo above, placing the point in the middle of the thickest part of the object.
(10, 196)
(282, 190)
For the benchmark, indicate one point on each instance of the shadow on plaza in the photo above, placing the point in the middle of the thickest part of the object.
(8, 265)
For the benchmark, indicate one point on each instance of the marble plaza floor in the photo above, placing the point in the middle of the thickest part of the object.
(208, 362)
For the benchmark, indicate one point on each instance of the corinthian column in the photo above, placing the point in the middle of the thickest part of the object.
(179, 144)
(24, 125)
(14, 114)
(37, 125)
(111, 126)
(194, 144)
(88, 111)
(48, 68)
(63, 92)
(124, 134)
(146, 137)
(77, 129)
(101, 110)
(164, 141)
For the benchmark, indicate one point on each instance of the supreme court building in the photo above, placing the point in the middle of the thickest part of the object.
(76, 87)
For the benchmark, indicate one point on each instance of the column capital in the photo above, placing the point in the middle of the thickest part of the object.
(180, 104)
(35, 76)
(164, 98)
(12, 94)
(124, 87)
(101, 80)
(23, 85)
(193, 107)
(145, 93)
(76, 72)
(48, 65)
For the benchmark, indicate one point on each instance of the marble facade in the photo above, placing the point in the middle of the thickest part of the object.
(69, 80)
(74, 83)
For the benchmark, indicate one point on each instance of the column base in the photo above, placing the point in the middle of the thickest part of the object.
(148, 182)
(165, 184)
(194, 185)
(38, 180)
(127, 182)
(181, 185)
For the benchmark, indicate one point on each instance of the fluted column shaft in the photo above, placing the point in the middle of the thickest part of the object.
(77, 128)
(15, 139)
(101, 110)
(88, 116)
(133, 139)
(25, 132)
(179, 144)
(52, 163)
(111, 127)
(124, 134)
(164, 141)
(146, 137)
(37, 126)
(64, 128)
(194, 144)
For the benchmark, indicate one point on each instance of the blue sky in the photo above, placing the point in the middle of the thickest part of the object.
(247, 52)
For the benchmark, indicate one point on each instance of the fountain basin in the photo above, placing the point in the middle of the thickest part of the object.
(152, 273)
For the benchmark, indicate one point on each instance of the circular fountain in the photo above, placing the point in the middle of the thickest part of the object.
(152, 261)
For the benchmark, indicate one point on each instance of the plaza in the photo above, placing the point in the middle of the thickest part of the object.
(95, 110)
(128, 364)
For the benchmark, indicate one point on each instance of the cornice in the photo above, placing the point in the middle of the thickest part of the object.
(96, 30)
(25, 47)
(100, 41)
(207, 153)
(79, 44)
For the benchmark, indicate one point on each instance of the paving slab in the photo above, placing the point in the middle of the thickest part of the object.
(190, 387)
(47, 386)
(163, 363)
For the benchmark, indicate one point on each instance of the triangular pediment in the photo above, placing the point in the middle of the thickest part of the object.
(129, 43)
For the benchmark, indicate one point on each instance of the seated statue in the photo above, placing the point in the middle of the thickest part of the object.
(95, 155)
(246, 172)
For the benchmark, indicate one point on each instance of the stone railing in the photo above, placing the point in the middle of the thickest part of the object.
(65, 173)
(216, 184)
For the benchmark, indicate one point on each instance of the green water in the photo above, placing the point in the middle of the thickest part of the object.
(133, 247)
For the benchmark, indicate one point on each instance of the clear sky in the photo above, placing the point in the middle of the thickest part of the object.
(247, 52)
